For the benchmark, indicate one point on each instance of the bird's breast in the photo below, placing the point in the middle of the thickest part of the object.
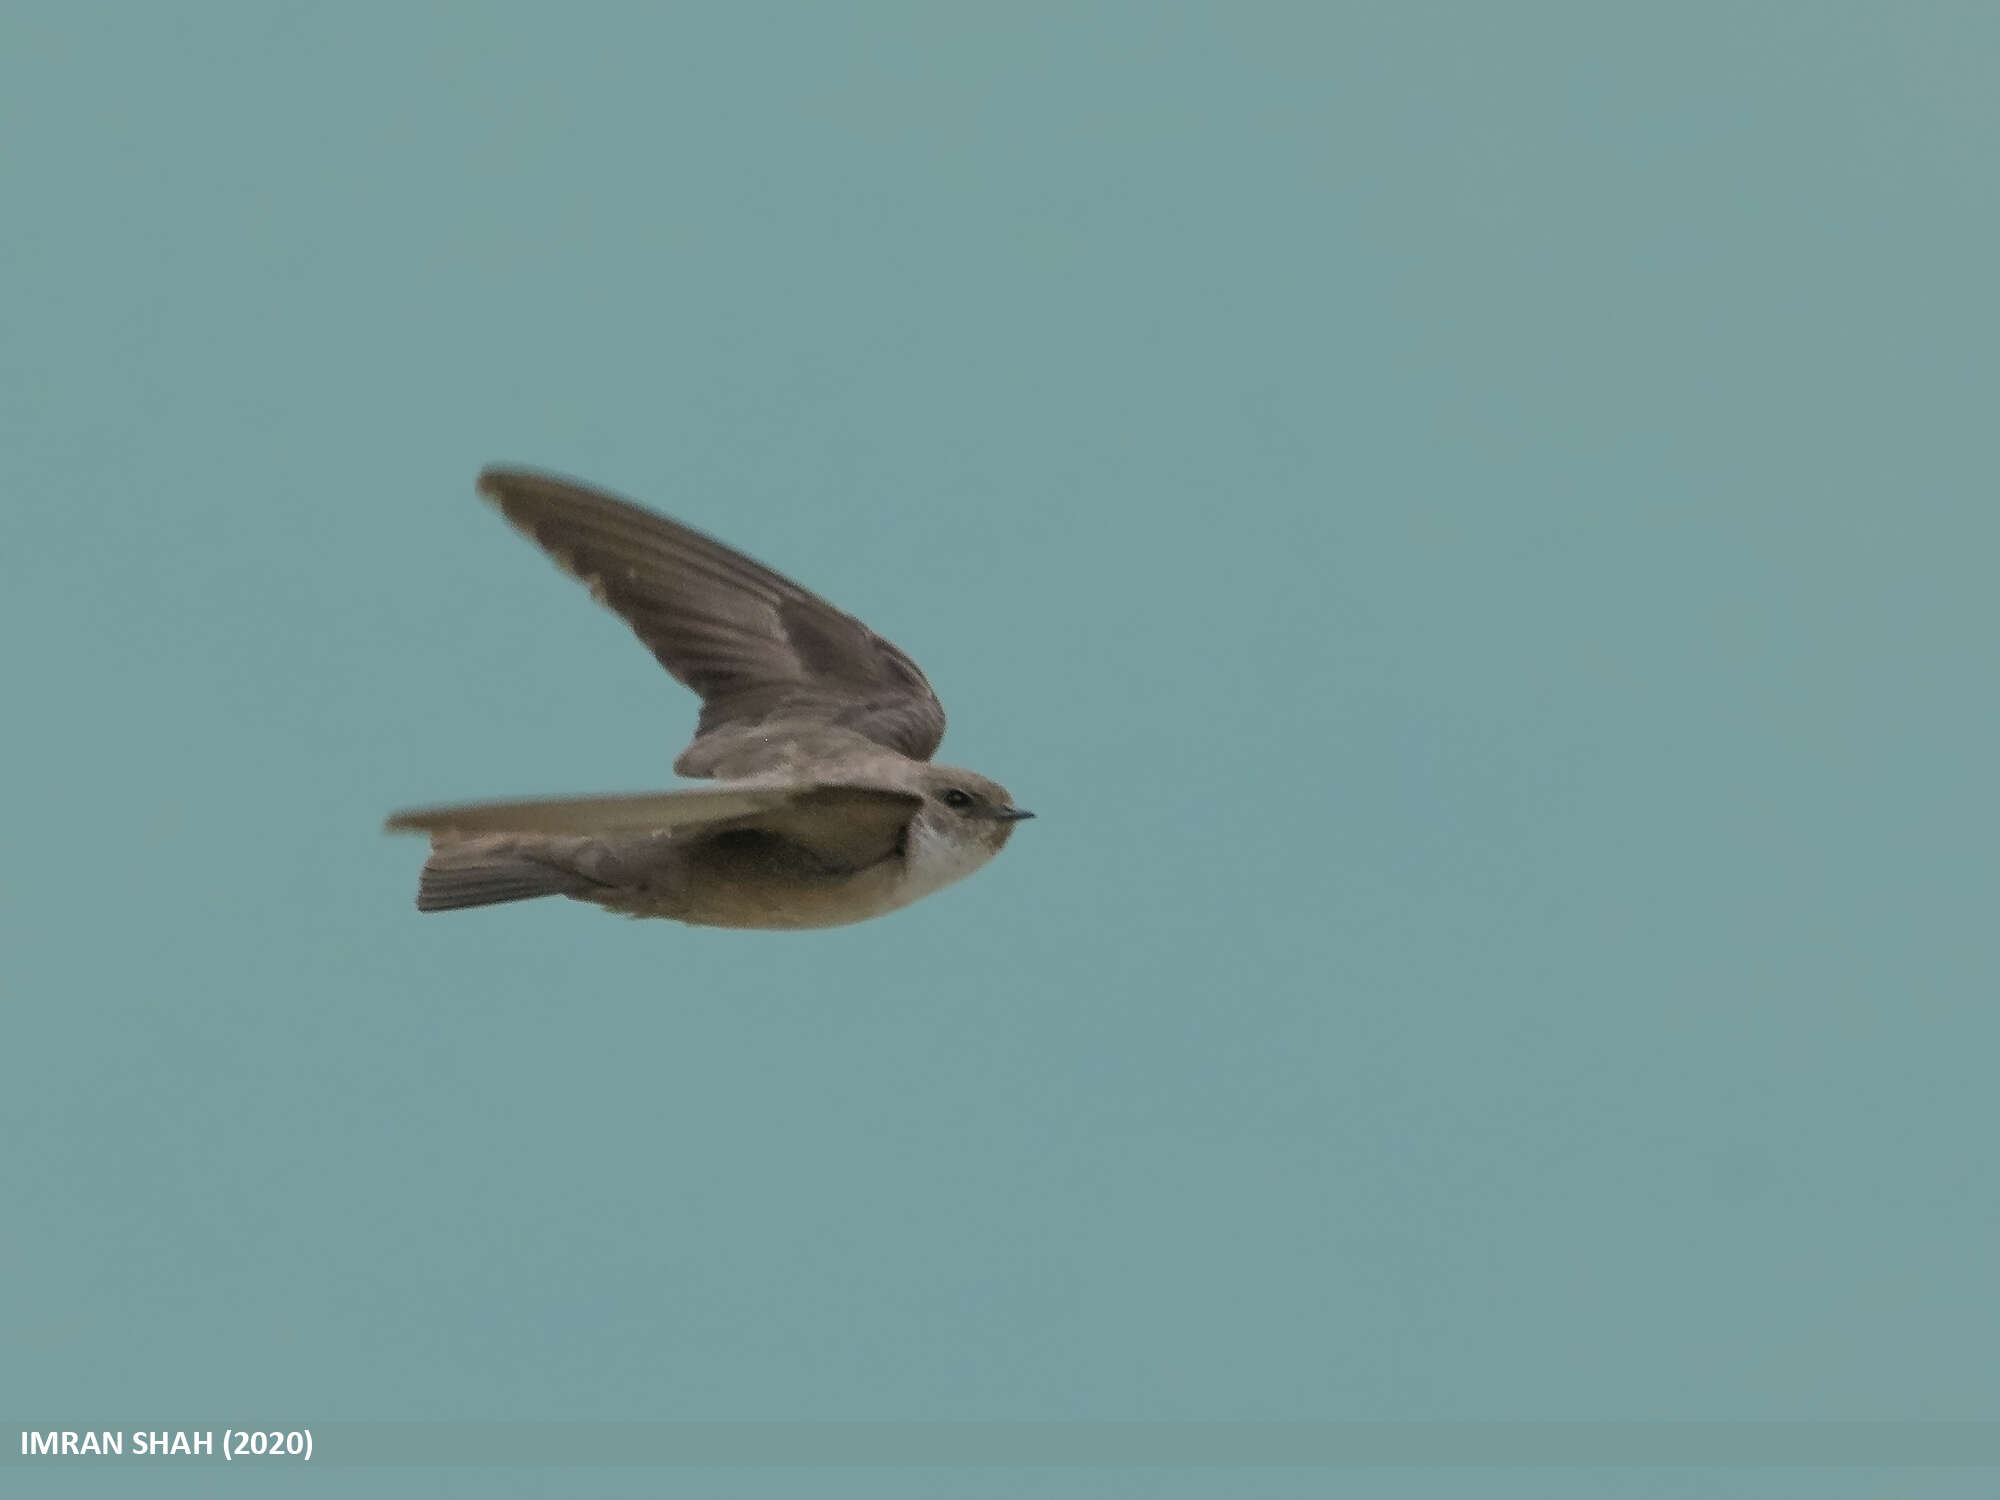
(769, 883)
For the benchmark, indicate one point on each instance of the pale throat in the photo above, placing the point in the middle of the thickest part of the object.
(932, 861)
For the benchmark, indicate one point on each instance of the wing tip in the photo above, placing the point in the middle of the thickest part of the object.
(499, 483)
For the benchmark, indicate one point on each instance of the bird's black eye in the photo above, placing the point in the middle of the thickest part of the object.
(953, 797)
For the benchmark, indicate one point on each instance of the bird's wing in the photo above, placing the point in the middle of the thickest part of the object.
(850, 827)
(760, 650)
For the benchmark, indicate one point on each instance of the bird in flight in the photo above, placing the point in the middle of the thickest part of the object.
(815, 734)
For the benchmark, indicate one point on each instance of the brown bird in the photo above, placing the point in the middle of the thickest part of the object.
(817, 733)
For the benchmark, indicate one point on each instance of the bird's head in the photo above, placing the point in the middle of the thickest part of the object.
(968, 809)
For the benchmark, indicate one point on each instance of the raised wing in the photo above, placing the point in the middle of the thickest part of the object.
(761, 651)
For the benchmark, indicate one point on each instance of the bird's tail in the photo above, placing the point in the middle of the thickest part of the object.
(488, 871)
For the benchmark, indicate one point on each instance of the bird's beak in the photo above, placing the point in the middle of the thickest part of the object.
(1012, 814)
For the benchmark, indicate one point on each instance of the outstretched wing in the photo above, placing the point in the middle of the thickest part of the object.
(761, 651)
(848, 827)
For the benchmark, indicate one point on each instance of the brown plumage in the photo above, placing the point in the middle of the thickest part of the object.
(818, 732)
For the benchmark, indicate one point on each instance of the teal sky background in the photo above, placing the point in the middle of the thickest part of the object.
(1474, 526)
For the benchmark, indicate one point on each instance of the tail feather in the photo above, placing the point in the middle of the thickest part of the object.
(483, 872)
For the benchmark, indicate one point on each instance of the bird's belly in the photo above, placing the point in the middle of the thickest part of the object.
(828, 901)
(761, 884)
